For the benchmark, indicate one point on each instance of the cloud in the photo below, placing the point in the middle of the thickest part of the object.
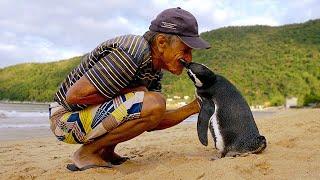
(299, 11)
(7, 47)
(50, 30)
(33, 49)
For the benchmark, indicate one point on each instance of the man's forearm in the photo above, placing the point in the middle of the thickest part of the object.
(96, 98)
(84, 92)
(174, 117)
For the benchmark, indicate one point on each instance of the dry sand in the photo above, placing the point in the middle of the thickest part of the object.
(293, 152)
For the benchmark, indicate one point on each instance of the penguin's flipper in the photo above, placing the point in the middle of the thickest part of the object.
(206, 111)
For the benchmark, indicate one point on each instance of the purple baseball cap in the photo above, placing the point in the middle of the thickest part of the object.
(181, 23)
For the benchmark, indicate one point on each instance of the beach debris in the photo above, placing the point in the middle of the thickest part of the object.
(182, 103)
(176, 97)
(291, 102)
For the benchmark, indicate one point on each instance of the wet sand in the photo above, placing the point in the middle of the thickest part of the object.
(293, 152)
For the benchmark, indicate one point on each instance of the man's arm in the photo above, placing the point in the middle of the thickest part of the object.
(174, 117)
(84, 92)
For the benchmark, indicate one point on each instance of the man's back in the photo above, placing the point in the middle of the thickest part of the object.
(115, 64)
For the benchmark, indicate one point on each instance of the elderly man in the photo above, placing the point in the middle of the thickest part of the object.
(113, 95)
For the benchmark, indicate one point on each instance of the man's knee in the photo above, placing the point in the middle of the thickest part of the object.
(154, 106)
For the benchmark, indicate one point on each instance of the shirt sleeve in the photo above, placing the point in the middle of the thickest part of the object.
(112, 72)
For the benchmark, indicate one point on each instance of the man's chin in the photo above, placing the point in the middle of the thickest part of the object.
(176, 72)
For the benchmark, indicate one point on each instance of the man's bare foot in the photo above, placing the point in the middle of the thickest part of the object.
(82, 158)
(109, 155)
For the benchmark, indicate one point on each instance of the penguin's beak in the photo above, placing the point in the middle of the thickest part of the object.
(184, 63)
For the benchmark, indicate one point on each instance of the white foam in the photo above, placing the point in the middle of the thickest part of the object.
(3, 126)
(8, 114)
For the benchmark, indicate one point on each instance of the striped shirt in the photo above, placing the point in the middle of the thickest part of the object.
(118, 63)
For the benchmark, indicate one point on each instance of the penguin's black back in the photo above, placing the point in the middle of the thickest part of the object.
(233, 114)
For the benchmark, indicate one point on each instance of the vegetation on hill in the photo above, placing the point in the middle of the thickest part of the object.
(34, 81)
(267, 64)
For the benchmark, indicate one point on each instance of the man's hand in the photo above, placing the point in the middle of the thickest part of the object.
(195, 105)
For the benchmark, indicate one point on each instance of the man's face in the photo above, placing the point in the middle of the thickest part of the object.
(176, 50)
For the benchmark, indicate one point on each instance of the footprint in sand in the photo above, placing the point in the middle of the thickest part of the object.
(201, 176)
(263, 167)
(27, 169)
(314, 128)
(287, 143)
(136, 153)
(299, 124)
(56, 157)
(5, 150)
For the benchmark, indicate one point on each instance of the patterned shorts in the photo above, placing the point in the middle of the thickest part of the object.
(83, 126)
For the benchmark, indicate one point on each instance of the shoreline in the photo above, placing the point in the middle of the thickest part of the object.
(24, 134)
(25, 121)
(170, 105)
(20, 128)
(24, 102)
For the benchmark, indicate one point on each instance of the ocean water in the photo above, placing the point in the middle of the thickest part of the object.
(24, 121)
(23, 115)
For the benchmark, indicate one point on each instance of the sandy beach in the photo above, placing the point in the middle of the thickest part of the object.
(293, 152)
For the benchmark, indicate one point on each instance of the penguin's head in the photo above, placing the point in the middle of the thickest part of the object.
(200, 74)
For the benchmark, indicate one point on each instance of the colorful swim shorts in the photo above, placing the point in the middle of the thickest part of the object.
(83, 126)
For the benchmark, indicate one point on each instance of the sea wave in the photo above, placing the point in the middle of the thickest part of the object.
(9, 114)
(3, 126)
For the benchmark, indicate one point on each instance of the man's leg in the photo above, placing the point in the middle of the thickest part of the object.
(153, 109)
(109, 155)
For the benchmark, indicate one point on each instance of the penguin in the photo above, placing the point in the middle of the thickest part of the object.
(225, 112)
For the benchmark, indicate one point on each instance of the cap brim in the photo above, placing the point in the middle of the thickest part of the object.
(195, 42)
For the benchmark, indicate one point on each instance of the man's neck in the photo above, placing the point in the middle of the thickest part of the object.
(155, 57)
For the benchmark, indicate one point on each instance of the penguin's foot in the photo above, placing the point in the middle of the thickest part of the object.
(214, 158)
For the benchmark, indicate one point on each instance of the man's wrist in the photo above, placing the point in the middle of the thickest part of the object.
(194, 107)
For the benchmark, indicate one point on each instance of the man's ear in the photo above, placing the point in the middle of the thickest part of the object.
(161, 41)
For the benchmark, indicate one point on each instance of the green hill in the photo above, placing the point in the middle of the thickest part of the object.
(265, 63)
(34, 81)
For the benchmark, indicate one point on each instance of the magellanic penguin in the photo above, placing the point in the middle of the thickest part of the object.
(225, 112)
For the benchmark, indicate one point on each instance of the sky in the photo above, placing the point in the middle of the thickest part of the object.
(43, 31)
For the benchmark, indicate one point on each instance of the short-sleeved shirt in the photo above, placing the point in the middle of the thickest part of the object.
(118, 63)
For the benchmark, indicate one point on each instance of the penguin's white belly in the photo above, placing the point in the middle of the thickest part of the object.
(216, 127)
